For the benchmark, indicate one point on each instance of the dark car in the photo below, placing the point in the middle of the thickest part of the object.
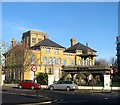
(29, 84)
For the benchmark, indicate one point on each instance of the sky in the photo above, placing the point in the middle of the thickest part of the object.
(95, 23)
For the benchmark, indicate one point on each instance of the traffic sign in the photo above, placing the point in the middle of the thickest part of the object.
(111, 71)
(34, 68)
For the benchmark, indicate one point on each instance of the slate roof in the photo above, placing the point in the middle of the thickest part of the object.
(47, 42)
(78, 46)
(17, 47)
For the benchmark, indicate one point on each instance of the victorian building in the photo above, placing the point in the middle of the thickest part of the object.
(48, 56)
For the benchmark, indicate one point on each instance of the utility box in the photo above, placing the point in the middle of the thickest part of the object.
(107, 82)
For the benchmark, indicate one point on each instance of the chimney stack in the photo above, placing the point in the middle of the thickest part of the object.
(45, 36)
(87, 44)
(13, 42)
(73, 41)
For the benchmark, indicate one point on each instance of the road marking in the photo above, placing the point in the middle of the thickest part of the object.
(106, 98)
(47, 102)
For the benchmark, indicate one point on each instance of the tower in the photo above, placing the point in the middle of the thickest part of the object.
(31, 37)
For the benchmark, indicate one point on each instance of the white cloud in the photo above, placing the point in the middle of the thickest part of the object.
(22, 28)
(14, 26)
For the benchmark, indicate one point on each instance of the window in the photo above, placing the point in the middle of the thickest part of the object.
(45, 59)
(64, 62)
(32, 59)
(33, 40)
(56, 51)
(90, 62)
(72, 63)
(54, 61)
(86, 62)
(27, 40)
(50, 60)
(83, 63)
(79, 62)
(59, 60)
(48, 50)
(39, 39)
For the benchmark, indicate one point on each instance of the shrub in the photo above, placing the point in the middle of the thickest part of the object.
(42, 78)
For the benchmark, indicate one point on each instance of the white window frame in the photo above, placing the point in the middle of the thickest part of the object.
(56, 51)
(48, 50)
(45, 59)
(59, 60)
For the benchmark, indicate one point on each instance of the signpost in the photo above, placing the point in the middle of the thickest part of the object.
(34, 69)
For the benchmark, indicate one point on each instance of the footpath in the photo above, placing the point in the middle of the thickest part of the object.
(82, 88)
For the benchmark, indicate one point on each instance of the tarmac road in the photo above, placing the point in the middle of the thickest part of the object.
(44, 96)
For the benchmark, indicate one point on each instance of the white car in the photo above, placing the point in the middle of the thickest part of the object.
(63, 85)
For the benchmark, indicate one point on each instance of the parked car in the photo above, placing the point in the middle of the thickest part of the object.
(29, 84)
(63, 85)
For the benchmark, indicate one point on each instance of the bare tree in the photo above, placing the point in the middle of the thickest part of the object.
(101, 62)
(18, 59)
(113, 61)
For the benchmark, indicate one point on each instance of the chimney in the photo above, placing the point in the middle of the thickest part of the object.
(87, 44)
(45, 36)
(13, 42)
(73, 41)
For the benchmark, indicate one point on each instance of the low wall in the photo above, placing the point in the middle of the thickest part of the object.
(79, 87)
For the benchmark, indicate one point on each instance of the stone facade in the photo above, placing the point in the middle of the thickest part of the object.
(49, 56)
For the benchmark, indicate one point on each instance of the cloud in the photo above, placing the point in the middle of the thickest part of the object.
(22, 28)
(14, 26)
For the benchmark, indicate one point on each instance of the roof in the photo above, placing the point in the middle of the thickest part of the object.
(78, 46)
(16, 48)
(47, 42)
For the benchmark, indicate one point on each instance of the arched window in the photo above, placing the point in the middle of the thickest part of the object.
(72, 63)
(32, 59)
(45, 59)
(86, 62)
(59, 60)
(50, 60)
(90, 62)
(54, 61)
(79, 62)
(64, 62)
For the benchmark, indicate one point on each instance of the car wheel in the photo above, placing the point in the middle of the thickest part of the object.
(68, 88)
(32, 87)
(20, 87)
(51, 88)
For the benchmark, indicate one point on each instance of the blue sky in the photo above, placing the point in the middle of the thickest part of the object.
(93, 22)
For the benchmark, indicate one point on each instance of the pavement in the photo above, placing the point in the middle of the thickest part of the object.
(88, 89)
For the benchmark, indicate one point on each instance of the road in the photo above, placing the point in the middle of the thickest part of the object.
(44, 96)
